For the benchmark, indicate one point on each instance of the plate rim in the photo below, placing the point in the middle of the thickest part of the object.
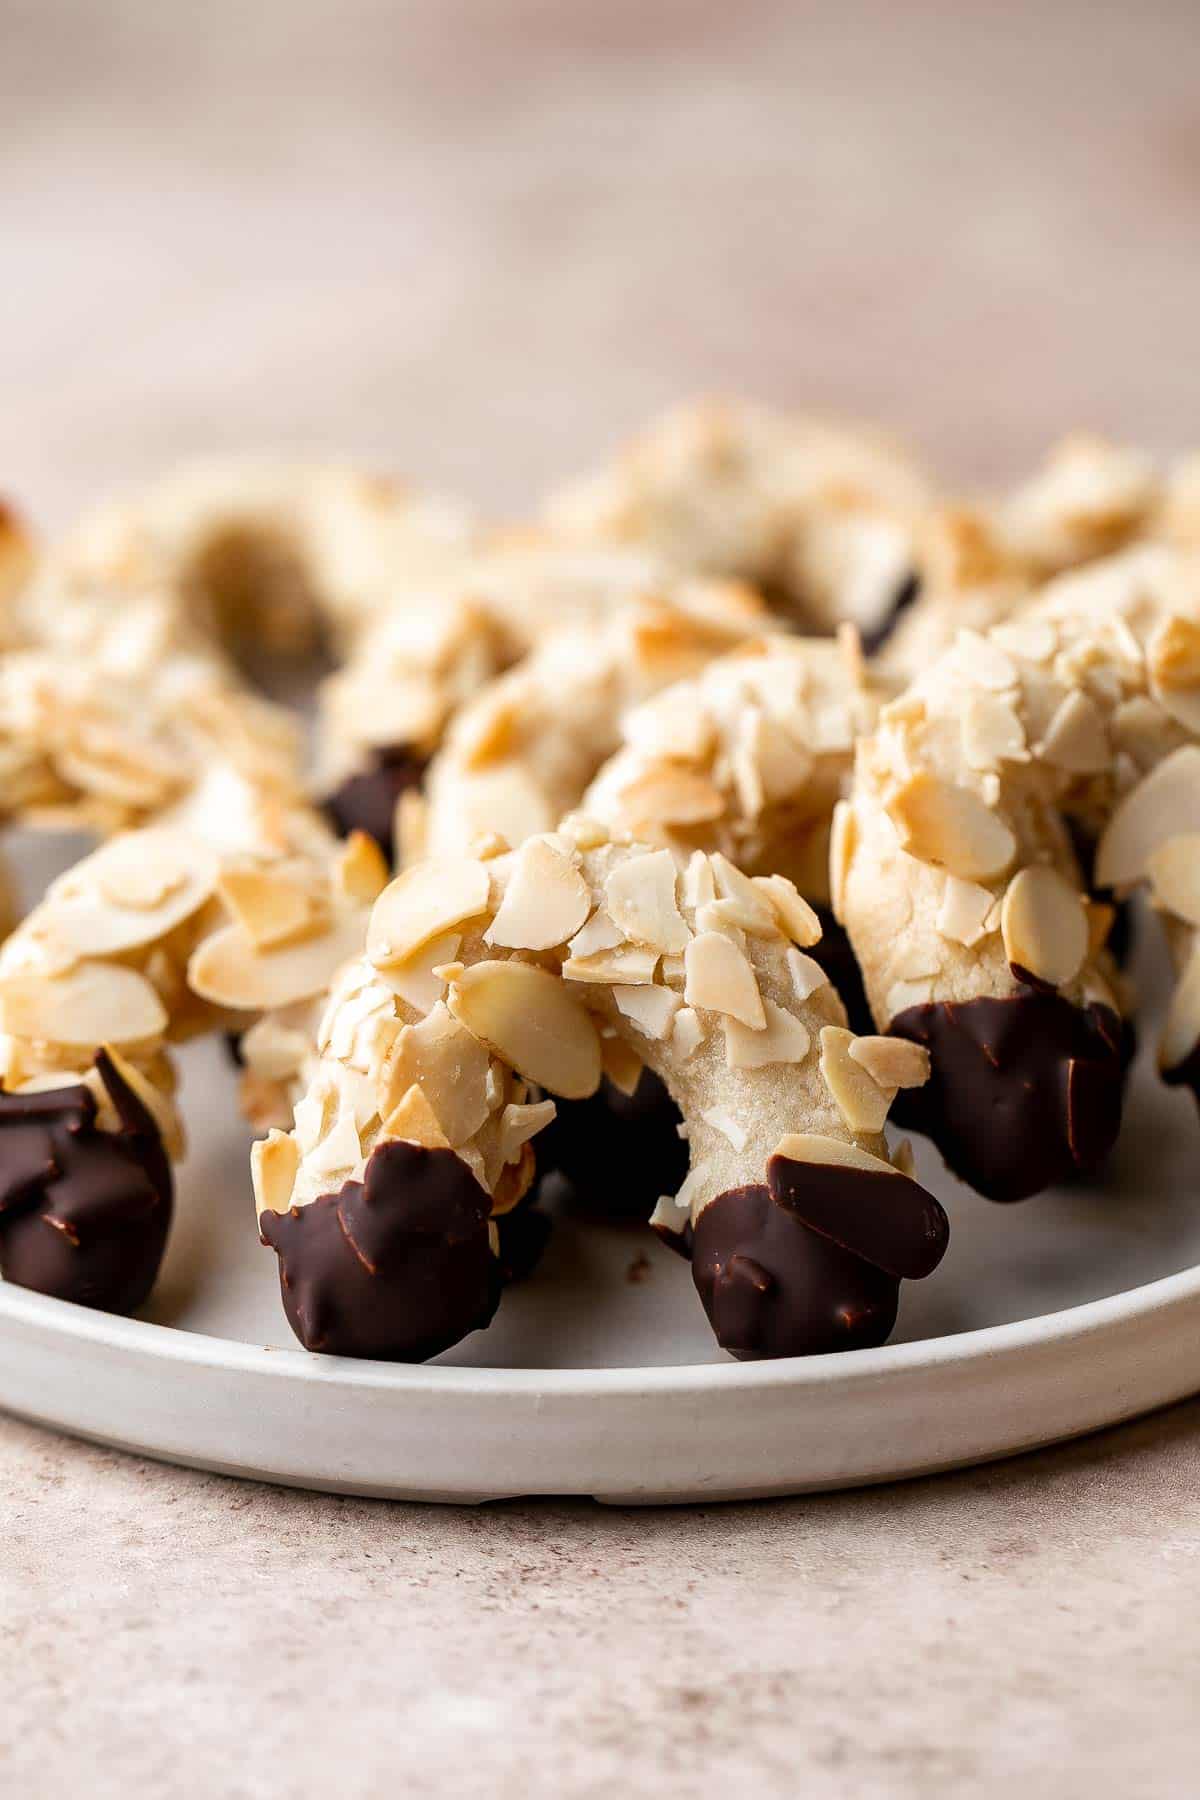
(170, 1343)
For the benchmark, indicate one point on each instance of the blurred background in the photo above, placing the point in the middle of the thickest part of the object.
(481, 239)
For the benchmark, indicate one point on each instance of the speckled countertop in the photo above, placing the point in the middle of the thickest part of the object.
(478, 241)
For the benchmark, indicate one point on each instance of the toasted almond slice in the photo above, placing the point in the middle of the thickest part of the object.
(338, 1152)
(422, 903)
(651, 1009)
(783, 1040)
(699, 882)
(1174, 871)
(984, 663)
(545, 903)
(1044, 925)
(724, 1122)
(795, 915)
(858, 1096)
(667, 794)
(621, 1063)
(640, 897)
(274, 1162)
(941, 823)
(807, 974)
(1076, 740)
(628, 964)
(520, 1123)
(1165, 805)
(583, 832)
(688, 1032)
(964, 911)
(903, 1160)
(228, 970)
(1181, 1033)
(992, 733)
(812, 1147)
(1173, 659)
(892, 1062)
(532, 1022)
(720, 977)
(360, 868)
(448, 1063)
(413, 1120)
(79, 913)
(270, 909)
(843, 842)
(419, 981)
(93, 1003)
(598, 934)
(745, 903)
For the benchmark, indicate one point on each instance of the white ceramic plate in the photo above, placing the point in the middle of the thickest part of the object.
(600, 1377)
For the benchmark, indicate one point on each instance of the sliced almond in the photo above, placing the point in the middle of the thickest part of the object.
(892, 1062)
(744, 903)
(724, 1122)
(812, 1147)
(520, 1123)
(688, 1032)
(796, 917)
(414, 1121)
(984, 662)
(941, 823)
(450, 1066)
(1044, 925)
(1165, 805)
(651, 1009)
(1075, 739)
(1173, 659)
(808, 977)
(1181, 1033)
(667, 795)
(992, 732)
(699, 882)
(843, 842)
(270, 909)
(628, 964)
(229, 970)
(93, 1003)
(720, 977)
(545, 902)
(338, 1152)
(417, 980)
(530, 1020)
(598, 934)
(621, 1063)
(783, 1040)
(858, 1096)
(964, 911)
(1174, 871)
(422, 903)
(81, 913)
(274, 1162)
(360, 868)
(640, 898)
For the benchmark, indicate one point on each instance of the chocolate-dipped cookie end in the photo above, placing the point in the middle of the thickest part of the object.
(397, 1266)
(367, 801)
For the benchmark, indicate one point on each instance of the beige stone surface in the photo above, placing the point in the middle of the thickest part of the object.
(477, 240)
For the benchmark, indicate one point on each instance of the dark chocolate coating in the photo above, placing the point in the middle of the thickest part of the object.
(618, 1152)
(1025, 1091)
(1186, 1074)
(84, 1213)
(367, 801)
(907, 595)
(888, 1220)
(771, 1287)
(396, 1266)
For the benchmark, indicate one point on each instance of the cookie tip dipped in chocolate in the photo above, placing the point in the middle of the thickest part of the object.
(84, 1211)
(397, 1266)
(810, 1261)
(367, 800)
(1025, 1090)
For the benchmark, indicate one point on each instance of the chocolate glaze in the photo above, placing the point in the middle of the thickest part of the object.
(395, 1266)
(772, 1287)
(1025, 1091)
(84, 1213)
(906, 595)
(888, 1220)
(617, 1152)
(367, 801)
(1186, 1074)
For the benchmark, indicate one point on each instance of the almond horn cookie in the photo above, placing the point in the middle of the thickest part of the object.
(953, 867)
(487, 976)
(160, 934)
